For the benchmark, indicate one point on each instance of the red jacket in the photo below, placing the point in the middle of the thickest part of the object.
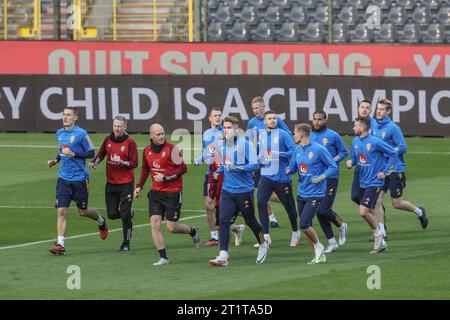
(168, 162)
(126, 148)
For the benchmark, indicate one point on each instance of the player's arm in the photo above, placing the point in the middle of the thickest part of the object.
(52, 162)
(390, 154)
(290, 146)
(145, 171)
(178, 161)
(282, 125)
(292, 168)
(87, 149)
(350, 163)
(132, 161)
(325, 157)
(100, 155)
(343, 151)
(399, 141)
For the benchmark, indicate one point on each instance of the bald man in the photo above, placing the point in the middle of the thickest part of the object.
(164, 162)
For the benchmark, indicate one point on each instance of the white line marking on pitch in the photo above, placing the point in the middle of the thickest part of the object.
(91, 234)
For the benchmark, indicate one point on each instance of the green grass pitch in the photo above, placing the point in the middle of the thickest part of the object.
(416, 266)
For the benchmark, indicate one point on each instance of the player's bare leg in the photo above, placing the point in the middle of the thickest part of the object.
(379, 213)
(158, 240)
(61, 224)
(369, 216)
(311, 234)
(176, 227)
(94, 215)
(400, 204)
(211, 217)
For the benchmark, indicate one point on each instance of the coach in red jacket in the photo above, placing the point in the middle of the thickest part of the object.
(121, 160)
(164, 162)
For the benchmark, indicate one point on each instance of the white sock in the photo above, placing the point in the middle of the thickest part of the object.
(272, 218)
(341, 227)
(382, 229)
(60, 241)
(377, 232)
(317, 245)
(418, 212)
(215, 235)
(223, 254)
(267, 237)
(296, 234)
(332, 241)
(100, 220)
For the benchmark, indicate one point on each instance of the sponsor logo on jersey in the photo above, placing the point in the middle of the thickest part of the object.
(362, 158)
(303, 167)
(212, 148)
(268, 153)
(156, 164)
(227, 160)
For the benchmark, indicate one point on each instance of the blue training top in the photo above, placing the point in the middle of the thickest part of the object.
(312, 161)
(77, 139)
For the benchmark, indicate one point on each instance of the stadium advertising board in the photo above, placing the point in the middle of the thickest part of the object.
(34, 102)
(46, 57)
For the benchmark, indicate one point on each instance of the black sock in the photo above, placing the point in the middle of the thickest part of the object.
(162, 253)
(193, 232)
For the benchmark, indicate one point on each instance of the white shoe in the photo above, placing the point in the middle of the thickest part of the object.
(331, 247)
(343, 234)
(378, 244)
(218, 262)
(295, 239)
(161, 262)
(319, 254)
(238, 235)
(269, 241)
(262, 252)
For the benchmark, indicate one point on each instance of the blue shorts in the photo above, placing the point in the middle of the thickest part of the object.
(66, 191)
(257, 176)
(395, 183)
(205, 186)
(369, 197)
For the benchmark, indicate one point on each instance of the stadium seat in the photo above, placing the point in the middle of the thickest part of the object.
(314, 32)
(212, 4)
(397, 15)
(348, 15)
(299, 14)
(443, 15)
(321, 14)
(383, 4)
(225, 13)
(261, 4)
(216, 31)
(340, 32)
(386, 34)
(274, 14)
(407, 4)
(264, 32)
(310, 4)
(285, 4)
(289, 32)
(434, 34)
(240, 32)
(361, 34)
(235, 4)
(421, 15)
(432, 4)
(411, 33)
(250, 14)
(337, 4)
(358, 4)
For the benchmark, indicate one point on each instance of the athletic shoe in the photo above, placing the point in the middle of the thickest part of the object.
(211, 243)
(273, 224)
(262, 252)
(125, 247)
(319, 254)
(423, 219)
(161, 262)
(331, 247)
(377, 244)
(322, 259)
(103, 229)
(343, 234)
(218, 262)
(196, 237)
(295, 239)
(383, 247)
(57, 250)
(239, 235)
(256, 245)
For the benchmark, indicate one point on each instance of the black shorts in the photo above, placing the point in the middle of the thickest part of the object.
(395, 183)
(66, 191)
(165, 204)
(118, 198)
(369, 197)
(206, 186)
